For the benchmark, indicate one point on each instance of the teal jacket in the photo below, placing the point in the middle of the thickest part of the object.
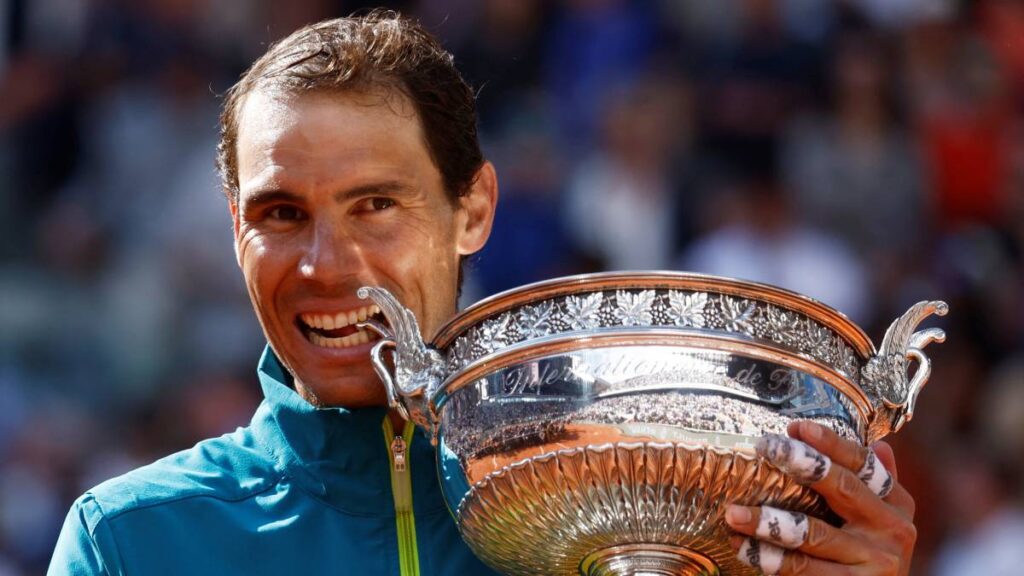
(299, 491)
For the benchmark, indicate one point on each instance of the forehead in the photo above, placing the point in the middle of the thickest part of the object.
(329, 133)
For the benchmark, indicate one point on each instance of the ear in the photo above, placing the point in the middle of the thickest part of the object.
(233, 207)
(478, 207)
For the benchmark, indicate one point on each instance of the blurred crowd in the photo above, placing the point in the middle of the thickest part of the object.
(869, 153)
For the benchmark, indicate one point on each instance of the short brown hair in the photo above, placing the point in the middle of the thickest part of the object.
(381, 49)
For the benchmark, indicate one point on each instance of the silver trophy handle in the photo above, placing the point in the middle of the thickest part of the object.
(885, 377)
(418, 369)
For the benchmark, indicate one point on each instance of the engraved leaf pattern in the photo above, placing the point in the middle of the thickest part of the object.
(461, 352)
(496, 330)
(687, 309)
(634, 309)
(738, 315)
(818, 339)
(479, 345)
(584, 311)
(536, 320)
(786, 326)
(847, 359)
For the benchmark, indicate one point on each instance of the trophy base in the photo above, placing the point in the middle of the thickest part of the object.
(622, 508)
(648, 559)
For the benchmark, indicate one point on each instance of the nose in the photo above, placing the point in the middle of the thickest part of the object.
(332, 255)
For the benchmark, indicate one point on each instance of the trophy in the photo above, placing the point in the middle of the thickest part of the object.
(598, 424)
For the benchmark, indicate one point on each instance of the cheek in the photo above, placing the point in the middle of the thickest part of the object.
(424, 248)
(249, 251)
(258, 266)
(416, 258)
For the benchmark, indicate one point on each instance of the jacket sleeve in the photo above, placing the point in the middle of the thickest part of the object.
(86, 546)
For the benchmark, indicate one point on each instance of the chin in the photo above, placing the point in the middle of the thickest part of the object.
(346, 401)
(344, 393)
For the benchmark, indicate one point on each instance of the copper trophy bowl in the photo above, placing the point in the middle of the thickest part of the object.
(598, 424)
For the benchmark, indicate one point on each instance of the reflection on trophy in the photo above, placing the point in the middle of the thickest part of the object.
(599, 424)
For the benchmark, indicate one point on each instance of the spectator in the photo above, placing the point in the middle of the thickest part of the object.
(620, 201)
(759, 240)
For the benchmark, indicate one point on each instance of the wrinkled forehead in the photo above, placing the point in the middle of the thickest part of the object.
(279, 103)
(276, 115)
(330, 137)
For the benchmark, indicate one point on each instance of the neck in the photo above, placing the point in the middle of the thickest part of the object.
(397, 422)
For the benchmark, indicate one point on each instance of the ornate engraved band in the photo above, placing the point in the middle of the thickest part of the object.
(719, 313)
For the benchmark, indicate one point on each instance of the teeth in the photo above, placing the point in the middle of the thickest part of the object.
(339, 320)
(360, 337)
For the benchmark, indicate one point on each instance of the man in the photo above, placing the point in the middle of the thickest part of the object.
(350, 157)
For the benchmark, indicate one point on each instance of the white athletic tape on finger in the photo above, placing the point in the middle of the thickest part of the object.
(805, 464)
(782, 527)
(761, 555)
(874, 474)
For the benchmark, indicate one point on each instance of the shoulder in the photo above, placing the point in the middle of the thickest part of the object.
(226, 469)
(229, 468)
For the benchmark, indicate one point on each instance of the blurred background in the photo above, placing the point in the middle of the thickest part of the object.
(869, 153)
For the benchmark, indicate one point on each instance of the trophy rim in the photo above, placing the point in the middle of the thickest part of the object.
(648, 279)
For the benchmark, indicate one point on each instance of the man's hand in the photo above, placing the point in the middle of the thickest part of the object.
(859, 484)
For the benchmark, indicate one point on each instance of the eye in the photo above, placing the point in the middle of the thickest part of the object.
(374, 204)
(381, 203)
(287, 213)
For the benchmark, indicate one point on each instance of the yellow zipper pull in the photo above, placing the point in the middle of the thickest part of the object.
(398, 453)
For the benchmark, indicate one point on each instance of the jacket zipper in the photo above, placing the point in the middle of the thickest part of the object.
(401, 489)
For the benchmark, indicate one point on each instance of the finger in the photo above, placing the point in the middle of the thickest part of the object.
(845, 493)
(793, 530)
(874, 475)
(799, 564)
(884, 452)
(772, 560)
(843, 452)
(848, 454)
(855, 457)
(781, 527)
(803, 463)
(761, 556)
(899, 497)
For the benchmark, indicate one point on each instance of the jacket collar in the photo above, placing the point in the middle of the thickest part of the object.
(338, 455)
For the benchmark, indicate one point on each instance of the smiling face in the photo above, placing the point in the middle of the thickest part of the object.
(338, 191)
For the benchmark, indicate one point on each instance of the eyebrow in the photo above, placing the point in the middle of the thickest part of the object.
(387, 188)
(263, 197)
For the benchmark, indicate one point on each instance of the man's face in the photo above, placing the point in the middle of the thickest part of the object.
(338, 191)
